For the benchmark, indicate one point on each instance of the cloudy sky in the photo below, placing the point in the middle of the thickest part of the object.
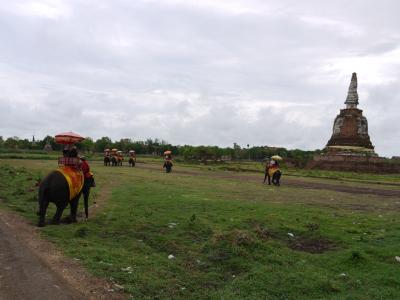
(209, 72)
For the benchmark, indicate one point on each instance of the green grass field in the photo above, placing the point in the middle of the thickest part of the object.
(195, 235)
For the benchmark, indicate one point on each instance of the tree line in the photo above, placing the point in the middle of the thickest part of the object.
(157, 147)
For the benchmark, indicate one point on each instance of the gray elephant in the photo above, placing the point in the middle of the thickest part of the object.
(114, 161)
(107, 160)
(54, 188)
(132, 161)
(168, 166)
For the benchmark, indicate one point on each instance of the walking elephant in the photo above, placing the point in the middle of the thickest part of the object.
(272, 172)
(276, 177)
(168, 166)
(55, 188)
(132, 161)
(107, 160)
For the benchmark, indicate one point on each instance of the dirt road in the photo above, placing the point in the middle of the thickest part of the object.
(23, 275)
(33, 268)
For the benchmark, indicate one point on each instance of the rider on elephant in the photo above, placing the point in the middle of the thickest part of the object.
(274, 172)
(87, 184)
(168, 162)
(266, 172)
(73, 152)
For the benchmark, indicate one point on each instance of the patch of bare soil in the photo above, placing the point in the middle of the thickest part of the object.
(342, 188)
(312, 244)
(71, 272)
(73, 277)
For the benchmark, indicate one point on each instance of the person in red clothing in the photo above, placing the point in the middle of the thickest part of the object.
(88, 183)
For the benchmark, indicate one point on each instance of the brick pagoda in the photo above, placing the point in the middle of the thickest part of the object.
(350, 148)
(350, 128)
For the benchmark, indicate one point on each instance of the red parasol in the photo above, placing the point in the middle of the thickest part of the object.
(167, 152)
(68, 138)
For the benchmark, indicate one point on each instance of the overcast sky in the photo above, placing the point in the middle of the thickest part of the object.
(209, 72)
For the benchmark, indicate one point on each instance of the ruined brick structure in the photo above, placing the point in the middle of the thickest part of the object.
(350, 147)
(350, 128)
(354, 163)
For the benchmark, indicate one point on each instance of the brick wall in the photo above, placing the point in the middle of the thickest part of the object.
(354, 163)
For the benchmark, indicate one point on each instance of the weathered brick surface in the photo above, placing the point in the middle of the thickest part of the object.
(355, 164)
(350, 129)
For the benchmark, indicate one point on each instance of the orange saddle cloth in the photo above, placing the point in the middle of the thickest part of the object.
(74, 178)
(272, 170)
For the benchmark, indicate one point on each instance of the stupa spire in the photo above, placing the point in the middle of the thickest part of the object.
(352, 95)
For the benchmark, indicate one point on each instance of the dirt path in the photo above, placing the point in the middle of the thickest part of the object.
(24, 276)
(33, 268)
(286, 181)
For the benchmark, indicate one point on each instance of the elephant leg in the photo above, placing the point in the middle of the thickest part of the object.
(58, 214)
(74, 209)
(86, 194)
(275, 179)
(42, 212)
(278, 178)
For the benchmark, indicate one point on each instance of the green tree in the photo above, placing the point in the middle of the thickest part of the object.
(11, 143)
(103, 143)
(49, 139)
(24, 144)
(86, 145)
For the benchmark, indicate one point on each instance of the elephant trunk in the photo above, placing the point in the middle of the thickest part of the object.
(86, 192)
(86, 201)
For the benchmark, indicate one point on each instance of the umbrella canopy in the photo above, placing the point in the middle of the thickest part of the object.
(167, 152)
(67, 138)
(276, 157)
(114, 150)
(106, 150)
(131, 151)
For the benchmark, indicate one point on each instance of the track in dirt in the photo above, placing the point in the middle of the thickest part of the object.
(33, 268)
(24, 276)
(288, 182)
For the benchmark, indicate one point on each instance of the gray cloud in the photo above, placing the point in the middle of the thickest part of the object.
(198, 72)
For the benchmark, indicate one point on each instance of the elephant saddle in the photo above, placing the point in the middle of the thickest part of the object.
(74, 178)
(272, 170)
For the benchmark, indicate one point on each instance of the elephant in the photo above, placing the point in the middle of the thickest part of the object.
(167, 166)
(114, 161)
(107, 160)
(276, 177)
(273, 172)
(132, 161)
(266, 175)
(54, 188)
